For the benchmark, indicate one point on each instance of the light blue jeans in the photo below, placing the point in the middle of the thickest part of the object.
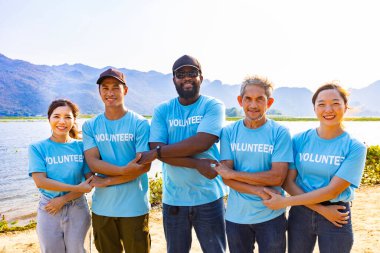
(65, 231)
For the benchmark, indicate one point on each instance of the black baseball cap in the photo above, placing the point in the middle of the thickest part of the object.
(111, 72)
(186, 60)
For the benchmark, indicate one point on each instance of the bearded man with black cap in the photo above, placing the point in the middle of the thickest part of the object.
(112, 142)
(184, 133)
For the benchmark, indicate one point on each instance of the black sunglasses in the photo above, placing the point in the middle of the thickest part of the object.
(182, 74)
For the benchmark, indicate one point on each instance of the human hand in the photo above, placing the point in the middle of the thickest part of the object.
(332, 214)
(261, 192)
(276, 201)
(99, 181)
(134, 168)
(85, 186)
(224, 171)
(206, 168)
(55, 205)
(148, 157)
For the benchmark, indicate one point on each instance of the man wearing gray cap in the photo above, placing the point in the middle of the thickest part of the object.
(112, 142)
(184, 133)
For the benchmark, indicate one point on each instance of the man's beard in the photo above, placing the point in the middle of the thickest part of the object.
(186, 94)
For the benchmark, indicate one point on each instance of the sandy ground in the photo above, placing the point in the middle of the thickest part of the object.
(365, 216)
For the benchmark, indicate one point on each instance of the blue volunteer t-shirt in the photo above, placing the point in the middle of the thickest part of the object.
(173, 122)
(118, 141)
(318, 160)
(62, 162)
(253, 150)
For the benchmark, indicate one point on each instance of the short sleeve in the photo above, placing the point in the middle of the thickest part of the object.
(86, 169)
(36, 160)
(88, 136)
(225, 145)
(353, 164)
(283, 150)
(213, 119)
(142, 136)
(158, 127)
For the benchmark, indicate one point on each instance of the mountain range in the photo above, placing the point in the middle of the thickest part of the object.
(27, 89)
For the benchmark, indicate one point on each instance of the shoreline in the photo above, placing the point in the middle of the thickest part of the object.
(5, 119)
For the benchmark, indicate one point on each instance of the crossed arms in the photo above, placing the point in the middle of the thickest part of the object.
(252, 182)
(333, 213)
(115, 174)
(75, 191)
(180, 153)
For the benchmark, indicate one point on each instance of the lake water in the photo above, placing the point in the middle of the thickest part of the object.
(18, 194)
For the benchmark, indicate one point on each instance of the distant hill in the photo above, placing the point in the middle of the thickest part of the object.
(293, 101)
(366, 101)
(27, 89)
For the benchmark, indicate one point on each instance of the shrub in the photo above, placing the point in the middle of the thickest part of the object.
(5, 226)
(155, 187)
(371, 175)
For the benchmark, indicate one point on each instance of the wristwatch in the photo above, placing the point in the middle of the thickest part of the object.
(158, 149)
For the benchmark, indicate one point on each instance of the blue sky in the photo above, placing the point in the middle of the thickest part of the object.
(293, 43)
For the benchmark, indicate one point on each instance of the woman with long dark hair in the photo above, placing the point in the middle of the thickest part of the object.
(58, 169)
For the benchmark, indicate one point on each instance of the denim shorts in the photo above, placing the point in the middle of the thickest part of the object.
(306, 226)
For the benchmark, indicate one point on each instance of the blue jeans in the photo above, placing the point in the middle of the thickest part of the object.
(207, 220)
(305, 226)
(270, 236)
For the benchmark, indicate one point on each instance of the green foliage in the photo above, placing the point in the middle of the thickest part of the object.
(155, 187)
(5, 226)
(371, 175)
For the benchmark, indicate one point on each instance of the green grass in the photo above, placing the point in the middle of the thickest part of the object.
(363, 119)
